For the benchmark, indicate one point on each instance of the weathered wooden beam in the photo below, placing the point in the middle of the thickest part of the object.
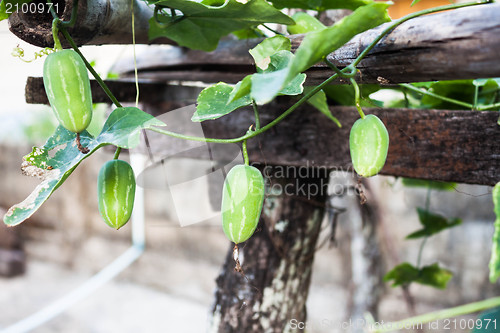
(458, 146)
(124, 91)
(460, 44)
(98, 22)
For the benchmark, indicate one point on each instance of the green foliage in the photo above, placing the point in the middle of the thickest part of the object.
(7, 7)
(414, 2)
(495, 250)
(262, 53)
(59, 157)
(202, 24)
(343, 94)
(432, 224)
(320, 5)
(213, 102)
(405, 273)
(317, 44)
(320, 103)
(272, 57)
(304, 23)
(430, 184)
(461, 90)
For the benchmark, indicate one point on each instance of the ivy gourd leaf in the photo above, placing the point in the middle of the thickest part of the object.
(431, 184)
(262, 53)
(122, 129)
(221, 99)
(214, 102)
(318, 44)
(7, 7)
(319, 102)
(272, 81)
(431, 275)
(202, 24)
(432, 224)
(434, 276)
(402, 274)
(495, 250)
(320, 5)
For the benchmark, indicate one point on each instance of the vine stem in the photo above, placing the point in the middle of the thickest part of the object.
(245, 152)
(357, 98)
(250, 135)
(443, 98)
(256, 113)
(55, 34)
(438, 315)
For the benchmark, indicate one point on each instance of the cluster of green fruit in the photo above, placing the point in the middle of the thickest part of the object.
(67, 86)
(68, 89)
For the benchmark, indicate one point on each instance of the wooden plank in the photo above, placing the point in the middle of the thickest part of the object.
(98, 22)
(459, 146)
(124, 91)
(460, 44)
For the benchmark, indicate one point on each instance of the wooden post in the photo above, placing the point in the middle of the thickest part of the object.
(271, 294)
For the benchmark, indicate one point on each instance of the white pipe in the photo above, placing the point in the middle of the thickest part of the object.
(102, 277)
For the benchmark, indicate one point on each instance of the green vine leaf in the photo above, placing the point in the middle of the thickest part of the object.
(319, 102)
(318, 44)
(214, 102)
(405, 273)
(58, 158)
(262, 53)
(264, 83)
(495, 250)
(432, 224)
(320, 5)
(202, 24)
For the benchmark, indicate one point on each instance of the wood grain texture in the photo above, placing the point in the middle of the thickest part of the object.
(124, 91)
(459, 44)
(98, 22)
(459, 146)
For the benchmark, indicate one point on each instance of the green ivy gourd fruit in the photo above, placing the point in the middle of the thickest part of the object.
(242, 199)
(116, 192)
(368, 143)
(304, 23)
(67, 86)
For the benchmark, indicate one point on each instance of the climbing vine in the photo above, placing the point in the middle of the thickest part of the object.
(278, 72)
